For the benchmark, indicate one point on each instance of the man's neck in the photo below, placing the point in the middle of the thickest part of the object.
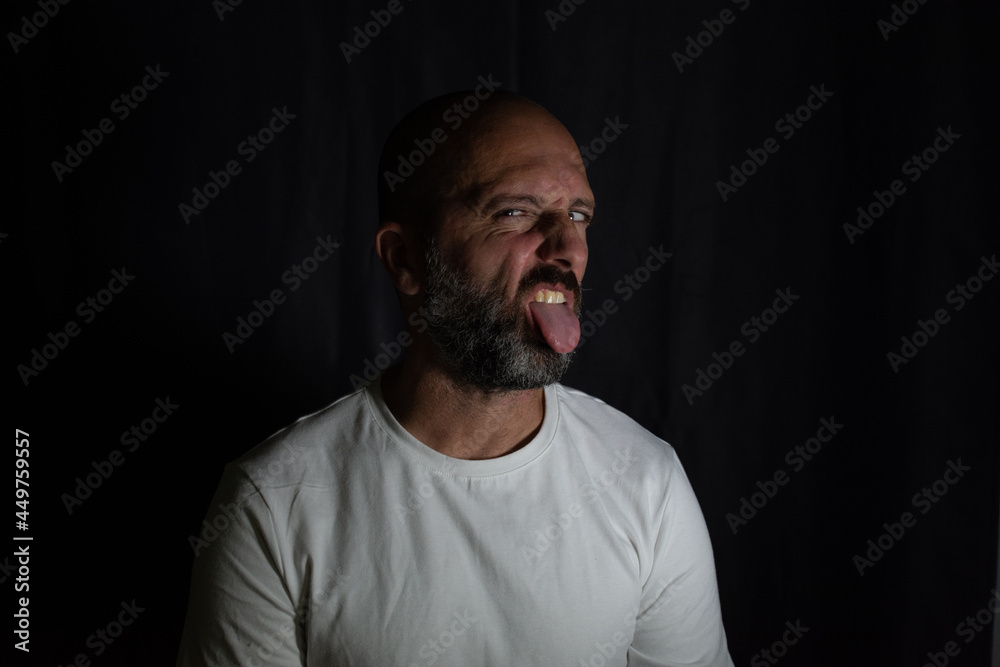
(459, 421)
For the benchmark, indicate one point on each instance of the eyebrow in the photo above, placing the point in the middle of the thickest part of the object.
(509, 199)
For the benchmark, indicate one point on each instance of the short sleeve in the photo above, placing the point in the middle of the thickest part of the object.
(680, 619)
(240, 610)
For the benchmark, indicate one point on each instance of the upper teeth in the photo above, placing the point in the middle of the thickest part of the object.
(548, 296)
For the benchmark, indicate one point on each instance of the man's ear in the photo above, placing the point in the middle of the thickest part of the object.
(402, 256)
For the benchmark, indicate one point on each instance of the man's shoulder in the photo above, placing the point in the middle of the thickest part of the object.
(589, 418)
(310, 449)
(633, 473)
(595, 413)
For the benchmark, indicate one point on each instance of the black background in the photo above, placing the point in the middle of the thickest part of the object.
(826, 357)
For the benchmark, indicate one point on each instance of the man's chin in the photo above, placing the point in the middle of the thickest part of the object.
(547, 371)
(534, 366)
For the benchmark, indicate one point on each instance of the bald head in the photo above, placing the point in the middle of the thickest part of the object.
(430, 154)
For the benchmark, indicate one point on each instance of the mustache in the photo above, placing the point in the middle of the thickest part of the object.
(551, 274)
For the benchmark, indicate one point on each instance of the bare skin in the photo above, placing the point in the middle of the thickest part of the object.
(523, 201)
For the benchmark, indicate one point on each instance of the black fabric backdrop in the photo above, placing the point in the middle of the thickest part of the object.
(888, 92)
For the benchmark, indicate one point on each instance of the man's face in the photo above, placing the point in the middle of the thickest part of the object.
(513, 231)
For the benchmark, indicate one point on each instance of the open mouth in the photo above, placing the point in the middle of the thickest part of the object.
(549, 296)
(552, 316)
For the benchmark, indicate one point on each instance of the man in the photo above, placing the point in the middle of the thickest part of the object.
(465, 509)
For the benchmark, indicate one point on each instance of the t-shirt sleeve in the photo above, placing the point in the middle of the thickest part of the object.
(240, 610)
(680, 619)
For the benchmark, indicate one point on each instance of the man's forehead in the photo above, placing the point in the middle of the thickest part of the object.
(538, 192)
(522, 169)
(506, 132)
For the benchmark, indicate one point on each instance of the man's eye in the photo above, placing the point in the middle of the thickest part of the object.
(579, 216)
(510, 213)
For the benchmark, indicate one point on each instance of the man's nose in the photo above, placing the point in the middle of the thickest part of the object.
(565, 243)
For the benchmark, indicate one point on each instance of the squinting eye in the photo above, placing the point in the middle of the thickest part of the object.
(510, 213)
(577, 216)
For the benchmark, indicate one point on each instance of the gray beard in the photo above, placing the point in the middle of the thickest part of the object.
(482, 340)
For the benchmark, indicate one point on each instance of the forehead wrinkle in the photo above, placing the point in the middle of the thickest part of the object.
(518, 155)
(527, 179)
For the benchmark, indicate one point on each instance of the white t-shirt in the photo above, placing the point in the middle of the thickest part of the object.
(343, 540)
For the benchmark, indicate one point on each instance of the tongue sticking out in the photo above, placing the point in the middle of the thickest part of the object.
(559, 326)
